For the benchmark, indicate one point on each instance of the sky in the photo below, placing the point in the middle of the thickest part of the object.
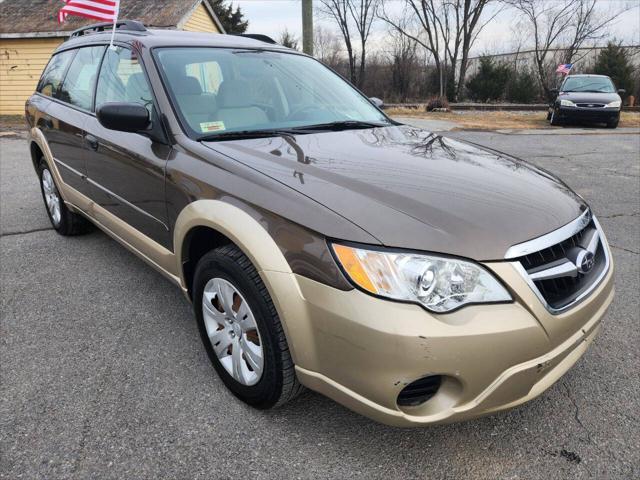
(271, 17)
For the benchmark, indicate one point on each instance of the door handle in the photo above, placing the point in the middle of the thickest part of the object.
(92, 142)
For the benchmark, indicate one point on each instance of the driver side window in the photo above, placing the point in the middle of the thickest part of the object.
(123, 80)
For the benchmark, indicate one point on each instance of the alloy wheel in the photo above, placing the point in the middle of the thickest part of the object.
(232, 330)
(51, 197)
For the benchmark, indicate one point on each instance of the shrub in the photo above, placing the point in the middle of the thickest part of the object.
(490, 82)
(437, 103)
(613, 60)
(523, 87)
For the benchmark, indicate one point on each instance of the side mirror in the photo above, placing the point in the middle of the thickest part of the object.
(621, 91)
(124, 117)
(377, 102)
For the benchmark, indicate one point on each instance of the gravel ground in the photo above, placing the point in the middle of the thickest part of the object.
(103, 374)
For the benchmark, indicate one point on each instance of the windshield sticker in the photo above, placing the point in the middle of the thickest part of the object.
(207, 127)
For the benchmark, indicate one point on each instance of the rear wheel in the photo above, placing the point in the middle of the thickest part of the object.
(241, 331)
(64, 221)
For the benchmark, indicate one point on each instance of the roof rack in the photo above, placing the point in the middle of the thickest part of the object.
(257, 36)
(130, 25)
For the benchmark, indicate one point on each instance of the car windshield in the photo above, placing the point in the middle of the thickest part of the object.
(588, 84)
(219, 91)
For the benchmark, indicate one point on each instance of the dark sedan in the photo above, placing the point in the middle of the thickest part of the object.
(586, 98)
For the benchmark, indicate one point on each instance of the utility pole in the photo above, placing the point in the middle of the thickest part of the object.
(307, 26)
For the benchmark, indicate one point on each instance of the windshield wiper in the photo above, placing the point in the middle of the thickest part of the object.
(245, 134)
(342, 125)
(585, 91)
(333, 126)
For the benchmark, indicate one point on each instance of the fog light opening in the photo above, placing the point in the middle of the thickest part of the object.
(420, 391)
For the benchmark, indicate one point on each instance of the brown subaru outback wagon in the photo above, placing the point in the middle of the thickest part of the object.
(413, 278)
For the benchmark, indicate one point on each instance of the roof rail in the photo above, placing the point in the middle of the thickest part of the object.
(257, 36)
(130, 25)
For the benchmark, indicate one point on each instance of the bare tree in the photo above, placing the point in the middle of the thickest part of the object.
(326, 47)
(589, 25)
(423, 20)
(403, 57)
(363, 13)
(339, 12)
(468, 25)
(553, 22)
(449, 30)
(353, 17)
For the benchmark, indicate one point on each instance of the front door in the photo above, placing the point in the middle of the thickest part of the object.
(127, 170)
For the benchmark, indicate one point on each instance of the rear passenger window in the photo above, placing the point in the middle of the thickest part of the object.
(77, 88)
(122, 80)
(52, 75)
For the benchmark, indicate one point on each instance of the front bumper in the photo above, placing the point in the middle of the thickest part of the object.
(362, 351)
(598, 115)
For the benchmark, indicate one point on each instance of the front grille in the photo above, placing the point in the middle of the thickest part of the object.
(590, 105)
(564, 272)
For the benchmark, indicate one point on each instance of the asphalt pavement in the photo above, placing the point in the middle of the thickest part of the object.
(103, 374)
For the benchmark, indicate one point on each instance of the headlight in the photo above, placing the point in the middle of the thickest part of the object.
(567, 103)
(440, 284)
(615, 104)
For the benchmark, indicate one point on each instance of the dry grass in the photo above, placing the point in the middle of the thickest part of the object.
(497, 120)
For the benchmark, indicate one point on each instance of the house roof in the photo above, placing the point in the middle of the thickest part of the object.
(39, 18)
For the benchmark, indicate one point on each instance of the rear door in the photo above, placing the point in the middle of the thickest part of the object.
(68, 81)
(127, 170)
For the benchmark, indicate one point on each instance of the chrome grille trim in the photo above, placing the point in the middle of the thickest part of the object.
(555, 311)
(550, 239)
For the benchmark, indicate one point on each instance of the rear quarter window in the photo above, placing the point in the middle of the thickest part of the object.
(54, 73)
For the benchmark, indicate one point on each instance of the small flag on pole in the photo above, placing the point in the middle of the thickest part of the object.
(564, 68)
(104, 10)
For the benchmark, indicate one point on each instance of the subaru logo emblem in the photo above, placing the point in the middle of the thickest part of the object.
(585, 261)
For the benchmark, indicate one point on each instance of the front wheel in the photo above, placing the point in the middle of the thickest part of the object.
(241, 331)
(613, 123)
(554, 120)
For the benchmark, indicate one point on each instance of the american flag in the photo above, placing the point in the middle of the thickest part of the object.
(564, 68)
(103, 10)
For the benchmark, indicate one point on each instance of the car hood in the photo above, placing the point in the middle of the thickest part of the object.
(589, 97)
(417, 190)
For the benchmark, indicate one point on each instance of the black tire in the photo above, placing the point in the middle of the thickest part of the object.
(613, 124)
(69, 223)
(554, 120)
(278, 383)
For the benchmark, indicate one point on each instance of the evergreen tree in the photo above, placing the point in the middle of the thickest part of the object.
(232, 20)
(613, 61)
(287, 39)
(490, 82)
(523, 87)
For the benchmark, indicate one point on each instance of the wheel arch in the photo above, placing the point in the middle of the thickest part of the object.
(39, 149)
(36, 154)
(207, 224)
